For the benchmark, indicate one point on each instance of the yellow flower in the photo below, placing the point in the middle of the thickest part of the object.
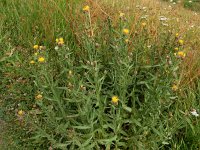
(70, 73)
(35, 47)
(126, 40)
(177, 34)
(32, 62)
(174, 87)
(181, 54)
(41, 59)
(125, 31)
(121, 14)
(20, 112)
(60, 41)
(181, 42)
(176, 48)
(39, 97)
(86, 8)
(115, 100)
(144, 24)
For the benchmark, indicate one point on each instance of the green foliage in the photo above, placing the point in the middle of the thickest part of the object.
(78, 79)
(193, 5)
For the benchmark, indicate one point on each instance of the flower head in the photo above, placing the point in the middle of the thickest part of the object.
(41, 59)
(181, 54)
(35, 47)
(125, 31)
(176, 48)
(144, 24)
(70, 72)
(20, 112)
(86, 8)
(174, 87)
(42, 47)
(181, 42)
(38, 97)
(194, 113)
(177, 34)
(56, 48)
(115, 100)
(32, 62)
(83, 88)
(60, 41)
(121, 14)
(126, 40)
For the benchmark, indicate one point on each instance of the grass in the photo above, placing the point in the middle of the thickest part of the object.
(94, 85)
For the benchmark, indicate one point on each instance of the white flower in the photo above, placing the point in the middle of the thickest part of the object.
(137, 6)
(144, 17)
(144, 8)
(194, 113)
(192, 26)
(56, 48)
(163, 18)
(148, 46)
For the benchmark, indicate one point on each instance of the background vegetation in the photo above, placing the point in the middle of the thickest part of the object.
(114, 75)
(189, 4)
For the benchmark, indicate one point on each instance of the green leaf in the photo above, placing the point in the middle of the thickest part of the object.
(82, 127)
(156, 131)
(61, 145)
(103, 141)
(165, 143)
(62, 88)
(173, 97)
(137, 122)
(87, 142)
(190, 123)
(127, 108)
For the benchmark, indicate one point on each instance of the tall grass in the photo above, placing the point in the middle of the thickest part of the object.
(61, 95)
